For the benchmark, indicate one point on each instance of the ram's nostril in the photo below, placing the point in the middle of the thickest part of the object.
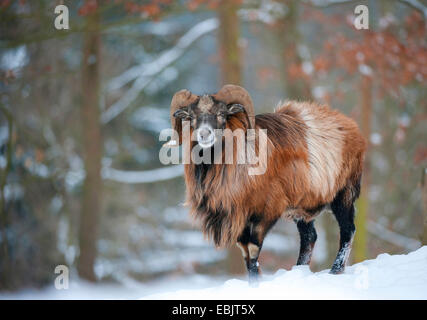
(205, 133)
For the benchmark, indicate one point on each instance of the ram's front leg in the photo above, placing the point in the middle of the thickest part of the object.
(250, 254)
(250, 242)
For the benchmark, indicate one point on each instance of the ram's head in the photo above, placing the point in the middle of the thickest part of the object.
(209, 112)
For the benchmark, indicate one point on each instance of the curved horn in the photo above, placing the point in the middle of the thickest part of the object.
(181, 99)
(231, 93)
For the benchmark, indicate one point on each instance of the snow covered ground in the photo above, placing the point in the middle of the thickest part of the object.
(386, 277)
(130, 290)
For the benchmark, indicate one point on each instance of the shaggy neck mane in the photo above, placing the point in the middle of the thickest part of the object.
(213, 192)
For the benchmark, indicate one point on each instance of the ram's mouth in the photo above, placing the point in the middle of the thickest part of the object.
(207, 143)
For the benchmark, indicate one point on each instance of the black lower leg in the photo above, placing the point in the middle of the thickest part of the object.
(252, 263)
(244, 243)
(250, 242)
(308, 237)
(344, 213)
(250, 250)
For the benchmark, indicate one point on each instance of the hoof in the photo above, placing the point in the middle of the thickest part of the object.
(336, 271)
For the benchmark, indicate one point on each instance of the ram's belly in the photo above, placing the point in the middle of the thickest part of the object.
(297, 214)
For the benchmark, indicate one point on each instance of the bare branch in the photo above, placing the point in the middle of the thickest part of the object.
(145, 73)
(385, 234)
(327, 3)
(415, 4)
(148, 176)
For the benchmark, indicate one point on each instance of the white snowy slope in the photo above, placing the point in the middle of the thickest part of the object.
(386, 277)
(130, 290)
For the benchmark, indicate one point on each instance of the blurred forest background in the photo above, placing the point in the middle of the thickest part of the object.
(81, 110)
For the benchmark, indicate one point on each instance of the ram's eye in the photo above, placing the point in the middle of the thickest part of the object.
(235, 108)
(182, 114)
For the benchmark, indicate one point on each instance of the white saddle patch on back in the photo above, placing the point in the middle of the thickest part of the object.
(325, 143)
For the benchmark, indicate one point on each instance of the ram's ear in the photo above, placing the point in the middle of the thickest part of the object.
(235, 108)
(181, 113)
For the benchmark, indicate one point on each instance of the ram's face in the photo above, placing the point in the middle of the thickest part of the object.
(205, 116)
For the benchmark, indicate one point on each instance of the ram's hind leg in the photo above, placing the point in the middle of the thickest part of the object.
(308, 237)
(343, 209)
(250, 242)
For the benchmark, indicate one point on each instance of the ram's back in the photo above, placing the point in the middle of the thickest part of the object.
(333, 145)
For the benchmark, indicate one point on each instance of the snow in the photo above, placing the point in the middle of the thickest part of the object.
(147, 176)
(152, 118)
(144, 73)
(386, 277)
(14, 59)
(81, 290)
(267, 12)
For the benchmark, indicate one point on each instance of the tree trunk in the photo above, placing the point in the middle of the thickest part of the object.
(424, 197)
(4, 219)
(297, 86)
(360, 252)
(228, 38)
(92, 149)
(228, 34)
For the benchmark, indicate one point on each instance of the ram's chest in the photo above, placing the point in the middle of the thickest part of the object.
(197, 194)
(205, 202)
(209, 207)
(215, 220)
